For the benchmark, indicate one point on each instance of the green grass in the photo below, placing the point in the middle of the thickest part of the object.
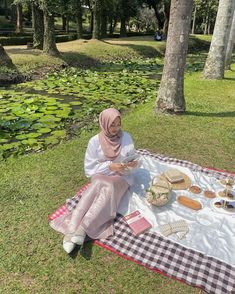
(33, 186)
(94, 53)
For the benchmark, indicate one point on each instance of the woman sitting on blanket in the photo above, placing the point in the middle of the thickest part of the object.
(94, 214)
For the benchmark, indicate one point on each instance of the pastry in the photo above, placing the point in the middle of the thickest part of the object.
(228, 182)
(173, 175)
(188, 202)
(209, 194)
(195, 189)
(226, 193)
(221, 193)
(218, 204)
(230, 207)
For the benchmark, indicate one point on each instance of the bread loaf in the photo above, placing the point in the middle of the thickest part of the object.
(188, 202)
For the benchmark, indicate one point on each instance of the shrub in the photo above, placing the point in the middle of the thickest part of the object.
(23, 40)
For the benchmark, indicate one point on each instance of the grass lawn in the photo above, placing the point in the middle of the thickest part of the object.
(33, 186)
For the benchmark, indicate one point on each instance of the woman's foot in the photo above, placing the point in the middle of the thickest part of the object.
(79, 236)
(68, 245)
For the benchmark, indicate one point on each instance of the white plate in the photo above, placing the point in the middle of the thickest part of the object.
(227, 198)
(220, 209)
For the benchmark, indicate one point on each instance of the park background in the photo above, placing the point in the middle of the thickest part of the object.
(58, 71)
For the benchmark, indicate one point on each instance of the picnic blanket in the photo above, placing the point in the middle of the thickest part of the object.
(205, 258)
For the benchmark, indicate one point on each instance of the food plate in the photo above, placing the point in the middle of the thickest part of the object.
(230, 199)
(227, 182)
(222, 209)
(184, 185)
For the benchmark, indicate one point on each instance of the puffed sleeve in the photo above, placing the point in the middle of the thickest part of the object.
(92, 164)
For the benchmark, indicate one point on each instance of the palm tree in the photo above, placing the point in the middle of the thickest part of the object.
(171, 92)
(215, 62)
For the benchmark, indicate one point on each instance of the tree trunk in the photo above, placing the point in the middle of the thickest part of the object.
(171, 92)
(209, 28)
(104, 23)
(78, 17)
(96, 19)
(6, 10)
(167, 16)
(19, 19)
(194, 19)
(123, 27)
(215, 62)
(111, 26)
(206, 20)
(49, 44)
(67, 25)
(64, 20)
(230, 46)
(5, 60)
(38, 26)
(158, 17)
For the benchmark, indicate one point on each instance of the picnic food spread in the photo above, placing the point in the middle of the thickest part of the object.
(159, 193)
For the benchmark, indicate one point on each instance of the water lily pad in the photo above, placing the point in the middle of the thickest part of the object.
(37, 126)
(3, 140)
(4, 110)
(29, 101)
(22, 137)
(75, 103)
(52, 107)
(44, 130)
(62, 113)
(52, 140)
(59, 133)
(29, 142)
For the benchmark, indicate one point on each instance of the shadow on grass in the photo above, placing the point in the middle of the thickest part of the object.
(83, 61)
(85, 251)
(229, 79)
(197, 45)
(76, 59)
(25, 51)
(215, 114)
(142, 50)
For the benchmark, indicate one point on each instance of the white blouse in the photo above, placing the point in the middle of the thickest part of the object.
(95, 161)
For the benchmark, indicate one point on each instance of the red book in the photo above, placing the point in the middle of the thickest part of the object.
(137, 222)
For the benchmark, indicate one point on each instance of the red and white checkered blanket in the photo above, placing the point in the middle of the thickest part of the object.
(161, 254)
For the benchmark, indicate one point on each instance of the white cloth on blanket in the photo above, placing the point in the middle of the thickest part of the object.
(95, 161)
(210, 232)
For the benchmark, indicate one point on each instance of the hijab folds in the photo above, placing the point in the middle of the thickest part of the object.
(110, 144)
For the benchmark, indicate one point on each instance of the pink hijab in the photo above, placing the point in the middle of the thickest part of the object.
(110, 145)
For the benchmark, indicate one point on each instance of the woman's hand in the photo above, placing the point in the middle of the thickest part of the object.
(132, 164)
(117, 167)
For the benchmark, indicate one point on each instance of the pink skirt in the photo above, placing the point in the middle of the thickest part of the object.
(96, 209)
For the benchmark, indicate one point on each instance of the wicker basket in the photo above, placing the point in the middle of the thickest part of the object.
(159, 194)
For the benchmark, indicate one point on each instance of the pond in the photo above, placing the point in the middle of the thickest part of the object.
(39, 114)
